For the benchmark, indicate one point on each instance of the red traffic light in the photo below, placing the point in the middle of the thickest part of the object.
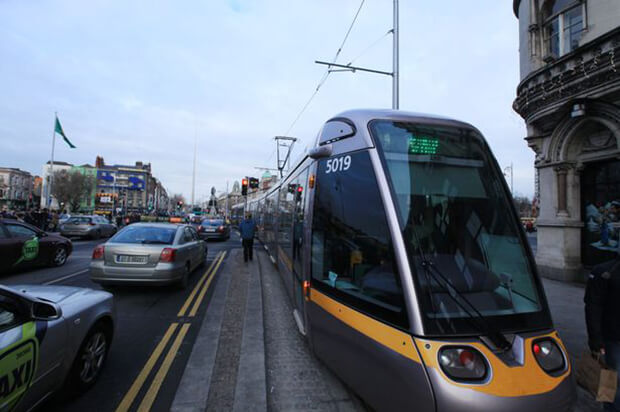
(300, 189)
(244, 182)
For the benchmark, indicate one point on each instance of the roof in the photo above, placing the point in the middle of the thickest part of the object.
(365, 115)
(59, 163)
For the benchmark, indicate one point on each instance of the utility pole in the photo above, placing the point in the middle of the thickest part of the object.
(395, 62)
(506, 169)
(395, 58)
(194, 171)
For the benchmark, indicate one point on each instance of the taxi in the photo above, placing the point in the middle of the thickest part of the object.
(51, 338)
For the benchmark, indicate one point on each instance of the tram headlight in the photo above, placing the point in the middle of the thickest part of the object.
(463, 363)
(548, 355)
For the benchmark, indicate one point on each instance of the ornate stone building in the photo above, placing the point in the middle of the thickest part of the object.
(569, 97)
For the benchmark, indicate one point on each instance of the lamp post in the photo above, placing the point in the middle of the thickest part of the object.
(510, 169)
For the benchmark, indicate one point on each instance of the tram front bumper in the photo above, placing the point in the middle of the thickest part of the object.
(461, 397)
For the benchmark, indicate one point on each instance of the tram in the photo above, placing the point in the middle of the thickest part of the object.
(409, 272)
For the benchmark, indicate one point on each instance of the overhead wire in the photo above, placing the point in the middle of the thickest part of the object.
(363, 52)
(327, 71)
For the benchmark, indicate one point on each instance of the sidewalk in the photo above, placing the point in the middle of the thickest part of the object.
(567, 309)
(249, 354)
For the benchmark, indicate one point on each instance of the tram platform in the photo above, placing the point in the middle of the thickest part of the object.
(249, 354)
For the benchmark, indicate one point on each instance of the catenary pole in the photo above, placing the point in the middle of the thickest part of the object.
(194, 170)
(395, 59)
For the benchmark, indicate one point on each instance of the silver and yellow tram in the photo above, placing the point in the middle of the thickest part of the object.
(408, 269)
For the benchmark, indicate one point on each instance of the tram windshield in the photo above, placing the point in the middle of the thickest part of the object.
(454, 215)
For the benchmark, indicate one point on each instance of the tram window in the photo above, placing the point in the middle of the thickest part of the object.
(285, 218)
(352, 253)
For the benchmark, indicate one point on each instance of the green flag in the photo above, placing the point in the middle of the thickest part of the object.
(58, 129)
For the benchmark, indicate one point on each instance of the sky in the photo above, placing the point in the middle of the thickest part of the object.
(140, 80)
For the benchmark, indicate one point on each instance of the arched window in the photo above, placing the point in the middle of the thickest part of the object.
(564, 21)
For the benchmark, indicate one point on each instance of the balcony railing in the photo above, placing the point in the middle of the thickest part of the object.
(578, 74)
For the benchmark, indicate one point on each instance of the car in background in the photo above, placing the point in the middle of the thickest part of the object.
(63, 218)
(23, 246)
(148, 253)
(93, 227)
(214, 228)
(51, 338)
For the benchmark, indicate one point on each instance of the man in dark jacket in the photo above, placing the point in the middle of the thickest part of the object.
(602, 300)
(247, 228)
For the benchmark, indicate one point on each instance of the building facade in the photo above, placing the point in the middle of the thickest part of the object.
(87, 204)
(569, 97)
(128, 189)
(15, 188)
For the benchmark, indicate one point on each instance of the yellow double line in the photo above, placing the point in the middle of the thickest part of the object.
(147, 402)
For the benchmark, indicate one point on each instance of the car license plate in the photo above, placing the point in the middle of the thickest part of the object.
(210, 229)
(131, 259)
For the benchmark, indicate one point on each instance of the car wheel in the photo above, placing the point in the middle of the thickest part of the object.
(59, 257)
(90, 359)
(185, 278)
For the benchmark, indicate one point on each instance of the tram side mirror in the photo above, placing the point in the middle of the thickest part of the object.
(320, 152)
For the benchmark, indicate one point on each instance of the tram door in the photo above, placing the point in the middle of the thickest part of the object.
(301, 191)
(355, 283)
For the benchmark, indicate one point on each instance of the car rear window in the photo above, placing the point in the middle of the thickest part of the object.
(80, 220)
(212, 222)
(145, 235)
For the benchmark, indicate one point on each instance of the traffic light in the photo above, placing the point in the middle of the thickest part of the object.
(253, 183)
(300, 191)
(179, 204)
(244, 186)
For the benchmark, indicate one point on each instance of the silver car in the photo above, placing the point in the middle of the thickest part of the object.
(51, 337)
(148, 253)
(93, 227)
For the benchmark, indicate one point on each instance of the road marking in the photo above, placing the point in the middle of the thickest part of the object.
(151, 394)
(51, 282)
(189, 299)
(192, 313)
(146, 370)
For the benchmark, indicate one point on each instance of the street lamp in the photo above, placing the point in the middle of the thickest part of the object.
(510, 169)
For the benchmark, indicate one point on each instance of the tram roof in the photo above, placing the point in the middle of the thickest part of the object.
(366, 115)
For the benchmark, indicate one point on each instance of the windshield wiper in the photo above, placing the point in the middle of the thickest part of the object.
(498, 339)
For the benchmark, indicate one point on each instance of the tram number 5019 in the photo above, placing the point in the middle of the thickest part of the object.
(338, 164)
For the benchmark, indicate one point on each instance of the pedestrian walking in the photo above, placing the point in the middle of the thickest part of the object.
(602, 301)
(247, 228)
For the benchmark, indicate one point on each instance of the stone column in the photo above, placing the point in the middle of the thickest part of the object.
(561, 173)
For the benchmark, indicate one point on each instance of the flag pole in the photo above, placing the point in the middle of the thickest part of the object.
(48, 198)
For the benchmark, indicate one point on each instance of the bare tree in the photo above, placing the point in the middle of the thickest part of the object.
(523, 204)
(70, 188)
(175, 199)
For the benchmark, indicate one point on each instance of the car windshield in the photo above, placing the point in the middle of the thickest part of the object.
(145, 235)
(212, 222)
(454, 214)
(80, 220)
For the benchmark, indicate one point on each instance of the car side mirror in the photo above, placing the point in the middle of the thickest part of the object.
(45, 311)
